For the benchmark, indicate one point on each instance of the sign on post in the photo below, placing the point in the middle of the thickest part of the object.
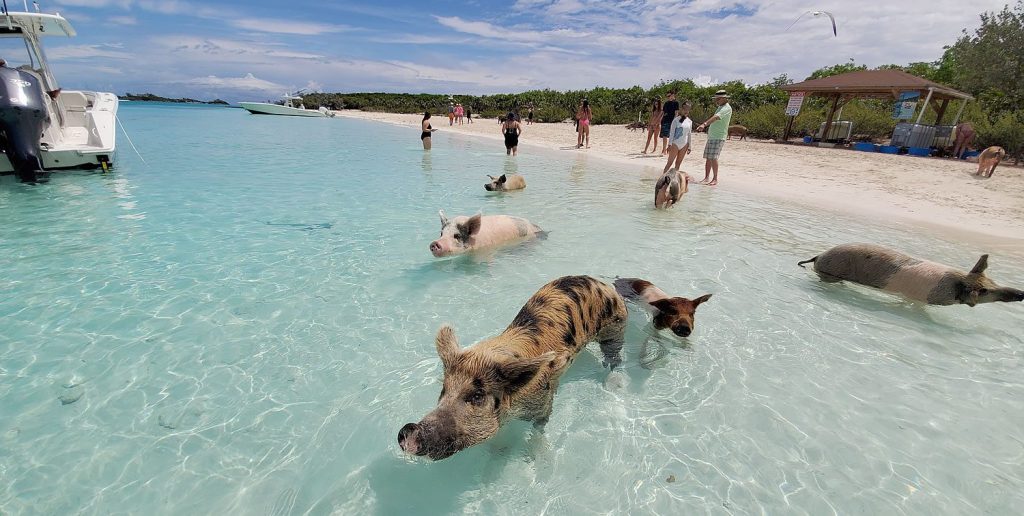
(905, 106)
(796, 101)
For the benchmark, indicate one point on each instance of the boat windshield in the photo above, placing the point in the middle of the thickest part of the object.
(15, 50)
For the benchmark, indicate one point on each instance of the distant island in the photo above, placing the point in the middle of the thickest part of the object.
(149, 97)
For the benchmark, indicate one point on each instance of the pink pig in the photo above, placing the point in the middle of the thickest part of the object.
(463, 233)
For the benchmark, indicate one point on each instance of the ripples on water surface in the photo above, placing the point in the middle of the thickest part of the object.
(244, 324)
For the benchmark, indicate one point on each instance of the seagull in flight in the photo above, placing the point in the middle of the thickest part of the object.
(817, 13)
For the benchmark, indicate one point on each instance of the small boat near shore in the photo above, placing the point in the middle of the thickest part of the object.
(287, 107)
(46, 127)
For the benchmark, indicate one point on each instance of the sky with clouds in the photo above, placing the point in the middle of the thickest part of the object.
(257, 49)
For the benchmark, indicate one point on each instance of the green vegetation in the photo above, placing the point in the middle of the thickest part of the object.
(988, 64)
(149, 97)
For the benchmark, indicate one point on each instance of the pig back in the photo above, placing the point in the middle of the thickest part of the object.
(867, 264)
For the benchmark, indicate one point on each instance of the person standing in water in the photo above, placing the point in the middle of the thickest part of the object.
(679, 137)
(511, 129)
(583, 132)
(718, 130)
(426, 130)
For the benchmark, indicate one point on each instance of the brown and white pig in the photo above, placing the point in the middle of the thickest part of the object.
(670, 188)
(515, 375)
(918, 280)
(463, 234)
(988, 160)
(672, 313)
(505, 183)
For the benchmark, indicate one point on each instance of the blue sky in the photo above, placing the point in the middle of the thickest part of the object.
(257, 50)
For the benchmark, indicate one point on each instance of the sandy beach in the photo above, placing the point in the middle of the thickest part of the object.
(939, 193)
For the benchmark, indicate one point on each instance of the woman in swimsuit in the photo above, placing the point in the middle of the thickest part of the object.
(583, 115)
(511, 129)
(653, 126)
(529, 116)
(426, 130)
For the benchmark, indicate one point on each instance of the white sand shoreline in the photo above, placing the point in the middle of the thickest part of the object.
(939, 195)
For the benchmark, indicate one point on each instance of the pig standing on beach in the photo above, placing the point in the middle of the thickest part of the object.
(505, 182)
(670, 188)
(463, 234)
(919, 280)
(737, 130)
(988, 160)
(515, 375)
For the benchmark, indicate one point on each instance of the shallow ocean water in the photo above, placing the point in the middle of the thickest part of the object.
(243, 324)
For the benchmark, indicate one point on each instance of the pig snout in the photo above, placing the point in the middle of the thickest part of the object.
(682, 330)
(436, 249)
(408, 439)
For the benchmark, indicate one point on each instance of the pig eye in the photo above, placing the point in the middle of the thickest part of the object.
(477, 398)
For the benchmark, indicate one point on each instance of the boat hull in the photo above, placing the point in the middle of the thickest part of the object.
(262, 108)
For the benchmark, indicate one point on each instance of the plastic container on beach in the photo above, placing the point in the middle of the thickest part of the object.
(865, 146)
(889, 149)
(808, 139)
(919, 151)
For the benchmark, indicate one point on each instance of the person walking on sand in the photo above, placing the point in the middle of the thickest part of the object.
(511, 129)
(451, 113)
(679, 137)
(653, 126)
(529, 115)
(469, 114)
(718, 130)
(426, 131)
(668, 112)
(583, 131)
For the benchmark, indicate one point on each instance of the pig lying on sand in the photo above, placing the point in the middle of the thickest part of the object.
(515, 375)
(463, 234)
(988, 160)
(670, 188)
(919, 280)
(505, 182)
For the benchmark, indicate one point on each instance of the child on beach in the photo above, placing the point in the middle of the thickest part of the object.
(679, 137)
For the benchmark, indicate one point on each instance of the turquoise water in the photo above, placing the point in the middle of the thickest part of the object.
(243, 325)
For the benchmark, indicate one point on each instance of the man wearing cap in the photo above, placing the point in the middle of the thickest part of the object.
(718, 129)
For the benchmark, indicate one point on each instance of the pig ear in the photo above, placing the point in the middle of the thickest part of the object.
(665, 305)
(447, 345)
(701, 299)
(502, 179)
(473, 224)
(979, 268)
(514, 375)
(444, 219)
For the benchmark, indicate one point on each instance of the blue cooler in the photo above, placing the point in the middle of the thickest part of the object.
(889, 149)
(865, 146)
(919, 151)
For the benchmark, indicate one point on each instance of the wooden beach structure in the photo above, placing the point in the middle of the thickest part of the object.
(877, 84)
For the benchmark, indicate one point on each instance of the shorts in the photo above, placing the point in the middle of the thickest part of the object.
(665, 126)
(713, 149)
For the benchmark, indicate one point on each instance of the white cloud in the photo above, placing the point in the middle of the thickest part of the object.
(285, 26)
(87, 52)
(123, 4)
(123, 20)
(249, 82)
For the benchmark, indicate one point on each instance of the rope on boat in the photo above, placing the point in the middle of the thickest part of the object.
(129, 138)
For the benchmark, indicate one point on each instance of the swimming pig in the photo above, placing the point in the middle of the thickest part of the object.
(670, 188)
(919, 280)
(463, 234)
(988, 160)
(670, 313)
(505, 182)
(515, 375)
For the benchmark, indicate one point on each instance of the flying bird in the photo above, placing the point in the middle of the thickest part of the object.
(817, 13)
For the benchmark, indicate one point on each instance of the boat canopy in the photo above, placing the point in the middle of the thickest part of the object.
(35, 24)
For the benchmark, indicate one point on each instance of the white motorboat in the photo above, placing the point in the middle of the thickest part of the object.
(287, 107)
(45, 126)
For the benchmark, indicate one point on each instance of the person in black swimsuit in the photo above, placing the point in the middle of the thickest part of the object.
(511, 129)
(529, 115)
(426, 130)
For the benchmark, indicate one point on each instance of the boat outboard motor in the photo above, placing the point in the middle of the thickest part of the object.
(22, 113)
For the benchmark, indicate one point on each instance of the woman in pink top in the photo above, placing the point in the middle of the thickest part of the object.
(459, 112)
(583, 115)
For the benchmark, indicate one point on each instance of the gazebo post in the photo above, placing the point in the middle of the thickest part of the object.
(963, 104)
(828, 121)
(926, 102)
(941, 111)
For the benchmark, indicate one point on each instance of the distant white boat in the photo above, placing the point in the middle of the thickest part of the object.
(288, 108)
(45, 126)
